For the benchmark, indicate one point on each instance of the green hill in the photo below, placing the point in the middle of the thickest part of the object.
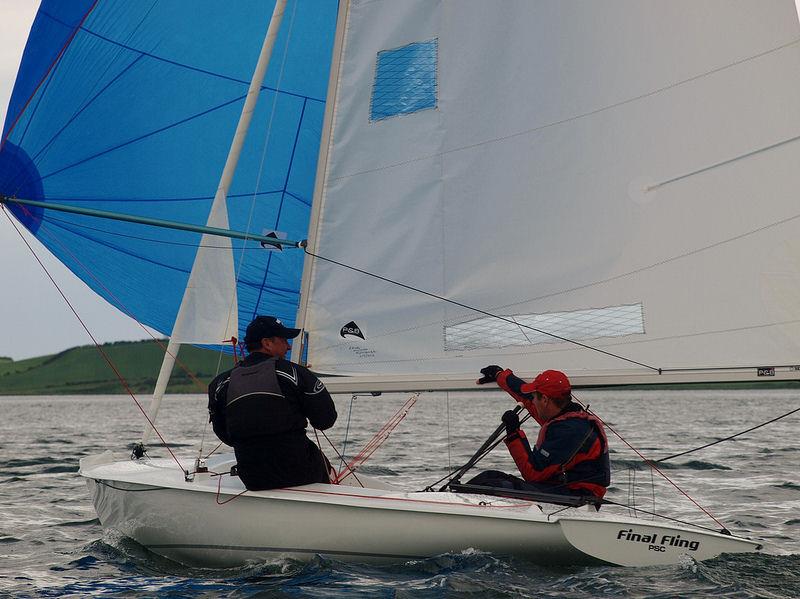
(82, 370)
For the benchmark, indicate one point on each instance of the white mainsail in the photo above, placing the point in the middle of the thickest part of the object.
(621, 174)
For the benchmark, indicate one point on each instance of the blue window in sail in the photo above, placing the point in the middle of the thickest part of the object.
(405, 80)
(593, 323)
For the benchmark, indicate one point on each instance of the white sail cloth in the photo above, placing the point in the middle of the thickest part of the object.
(621, 173)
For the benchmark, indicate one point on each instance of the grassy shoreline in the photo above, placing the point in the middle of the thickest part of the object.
(84, 371)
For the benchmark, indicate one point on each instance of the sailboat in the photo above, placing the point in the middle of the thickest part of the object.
(604, 188)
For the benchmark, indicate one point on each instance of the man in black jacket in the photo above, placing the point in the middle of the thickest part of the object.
(262, 407)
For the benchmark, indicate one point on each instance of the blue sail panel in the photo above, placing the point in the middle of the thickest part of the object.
(131, 107)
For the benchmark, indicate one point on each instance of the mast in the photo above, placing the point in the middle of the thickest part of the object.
(217, 218)
(321, 176)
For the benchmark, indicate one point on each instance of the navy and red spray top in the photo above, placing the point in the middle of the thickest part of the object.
(571, 449)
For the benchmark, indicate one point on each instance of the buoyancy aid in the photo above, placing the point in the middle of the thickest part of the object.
(586, 469)
(256, 406)
(596, 451)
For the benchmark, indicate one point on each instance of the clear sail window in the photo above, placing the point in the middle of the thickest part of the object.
(593, 323)
(405, 80)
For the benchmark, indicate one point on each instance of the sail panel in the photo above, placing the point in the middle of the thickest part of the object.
(136, 115)
(581, 157)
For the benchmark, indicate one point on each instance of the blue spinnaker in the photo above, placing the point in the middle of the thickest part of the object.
(131, 107)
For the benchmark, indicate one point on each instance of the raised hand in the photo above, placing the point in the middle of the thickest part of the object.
(489, 374)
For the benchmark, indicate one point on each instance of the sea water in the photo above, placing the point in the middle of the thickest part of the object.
(52, 545)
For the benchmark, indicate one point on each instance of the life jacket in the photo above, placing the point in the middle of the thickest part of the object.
(596, 463)
(256, 407)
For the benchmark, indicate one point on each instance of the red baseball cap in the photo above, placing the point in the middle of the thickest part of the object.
(551, 383)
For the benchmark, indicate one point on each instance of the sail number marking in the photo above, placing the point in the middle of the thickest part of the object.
(654, 543)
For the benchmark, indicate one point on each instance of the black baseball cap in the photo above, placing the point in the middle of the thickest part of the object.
(267, 326)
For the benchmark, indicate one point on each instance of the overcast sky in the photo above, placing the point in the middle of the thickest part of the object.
(34, 319)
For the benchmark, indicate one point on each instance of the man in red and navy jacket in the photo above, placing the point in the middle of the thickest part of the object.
(571, 452)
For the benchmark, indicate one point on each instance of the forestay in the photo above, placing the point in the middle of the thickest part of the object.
(130, 107)
(622, 174)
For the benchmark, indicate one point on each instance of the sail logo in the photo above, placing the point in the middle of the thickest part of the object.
(656, 544)
(277, 236)
(352, 329)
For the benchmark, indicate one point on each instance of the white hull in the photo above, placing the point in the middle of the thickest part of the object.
(151, 502)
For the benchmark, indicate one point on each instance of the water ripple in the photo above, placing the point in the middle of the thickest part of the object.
(52, 545)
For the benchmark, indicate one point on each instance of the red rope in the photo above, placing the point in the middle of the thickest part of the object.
(380, 437)
(511, 503)
(234, 343)
(99, 348)
(336, 479)
(652, 465)
(213, 451)
(198, 383)
(219, 489)
(47, 73)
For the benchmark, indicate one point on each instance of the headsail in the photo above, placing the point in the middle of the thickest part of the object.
(622, 174)
(130, 107)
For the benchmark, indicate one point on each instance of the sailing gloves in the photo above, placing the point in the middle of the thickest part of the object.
(511, 420)
(490, 374)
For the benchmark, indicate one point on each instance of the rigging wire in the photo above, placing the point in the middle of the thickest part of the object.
(657, 515)
(99, 348)
(337, 479)
(380, 437)
(199, 384)
(688, 451)
(449, 440)
(56, 241)
(346, 433)
(478, 310)
(650, 463)
(653, 488)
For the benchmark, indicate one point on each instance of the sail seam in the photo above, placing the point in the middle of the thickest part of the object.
(47, 74)
(141, 137)
(480, 311)
(87, 101)
(455, 319)
(198, 69)
(280, 204)
(572, 118)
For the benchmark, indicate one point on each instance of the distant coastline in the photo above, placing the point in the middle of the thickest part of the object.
(84, 371)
